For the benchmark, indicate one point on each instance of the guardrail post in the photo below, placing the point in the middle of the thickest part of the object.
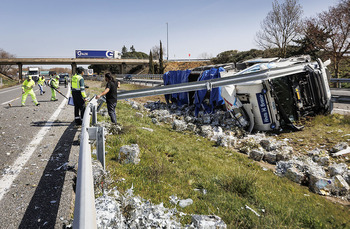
(97, 134)
(100, 146)
(94, 115)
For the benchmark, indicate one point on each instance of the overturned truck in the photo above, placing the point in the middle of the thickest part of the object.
(267, 95)
(292, 88)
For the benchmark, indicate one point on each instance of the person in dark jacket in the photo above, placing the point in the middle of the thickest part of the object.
(111, 96)
(79, 95)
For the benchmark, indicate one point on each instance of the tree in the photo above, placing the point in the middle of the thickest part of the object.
(124, 50)
(161, 62)
(5, 69)
(281, 26)
(205, 55)
(155, 52)
(151, 67)
(225, 57)
(336, 23)
(314, 38)
(98, 68)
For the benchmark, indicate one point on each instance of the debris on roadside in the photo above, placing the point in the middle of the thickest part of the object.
(129, 154)
(116, 210)
(317, 169)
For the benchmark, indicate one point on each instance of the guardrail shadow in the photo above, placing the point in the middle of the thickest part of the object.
(55, 123)
(44, 205)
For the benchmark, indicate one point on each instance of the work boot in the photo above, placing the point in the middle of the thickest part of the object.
(54, 99)
(37, 104)
(22, 105)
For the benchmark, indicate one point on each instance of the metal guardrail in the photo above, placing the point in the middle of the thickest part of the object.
(213, 83)
(340, 80)
(142, 76)
(84, 209)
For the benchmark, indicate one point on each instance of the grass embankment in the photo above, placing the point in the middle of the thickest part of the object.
(321, 132)
(174, 163)
(7, 82)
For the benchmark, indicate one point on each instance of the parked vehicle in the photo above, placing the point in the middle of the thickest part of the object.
(34, 72)
(64, 78)
(127, 77)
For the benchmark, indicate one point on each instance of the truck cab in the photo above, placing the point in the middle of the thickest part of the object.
(34, 72)
(293, 88)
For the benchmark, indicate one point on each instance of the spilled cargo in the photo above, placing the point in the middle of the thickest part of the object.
(293, 88)
(267, 95)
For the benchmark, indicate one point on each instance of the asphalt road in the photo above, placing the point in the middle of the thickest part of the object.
(341, 100)
(39, 151)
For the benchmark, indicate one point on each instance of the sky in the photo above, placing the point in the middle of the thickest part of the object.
(187, 28)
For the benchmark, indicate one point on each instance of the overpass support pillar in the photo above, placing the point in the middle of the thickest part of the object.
(74, 68)
(122, 68)
(20, 71)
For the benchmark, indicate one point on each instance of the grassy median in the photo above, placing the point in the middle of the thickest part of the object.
(220, 181)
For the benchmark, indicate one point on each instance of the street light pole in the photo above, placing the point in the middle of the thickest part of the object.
(167, 43)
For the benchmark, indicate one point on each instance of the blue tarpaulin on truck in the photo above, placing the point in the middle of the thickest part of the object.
(176, 77)
(215, 98)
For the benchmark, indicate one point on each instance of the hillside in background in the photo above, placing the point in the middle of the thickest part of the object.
(174, 66)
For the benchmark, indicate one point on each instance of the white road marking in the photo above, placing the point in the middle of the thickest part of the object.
(7, 180)
(11, 89)
(11, 100)
(7, 102)
(336, 110)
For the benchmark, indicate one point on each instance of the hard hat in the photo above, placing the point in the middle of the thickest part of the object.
(57, 76)
(29, 77)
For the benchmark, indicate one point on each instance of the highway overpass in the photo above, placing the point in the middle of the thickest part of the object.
(74, 62)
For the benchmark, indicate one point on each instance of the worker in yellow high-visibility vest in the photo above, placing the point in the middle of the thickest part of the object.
(79, 95)
(54, 84)
(41, 82)
(27, 89)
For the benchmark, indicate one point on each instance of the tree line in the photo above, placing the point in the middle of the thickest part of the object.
(285, 33)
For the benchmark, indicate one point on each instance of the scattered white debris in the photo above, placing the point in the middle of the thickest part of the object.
(185, 203)
(64, 166)
(249, 208)
(129, 154)
(174, 199)
(148, 129)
